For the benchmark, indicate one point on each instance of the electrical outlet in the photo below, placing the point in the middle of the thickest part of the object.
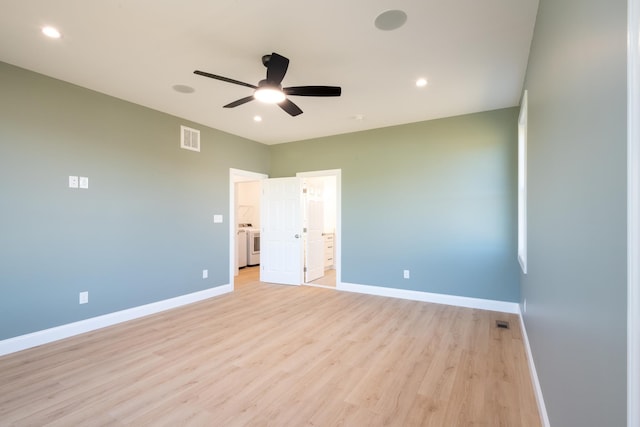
(205, 274)
(84, 182)
(84, 297)
(73, 181)
(406, 274)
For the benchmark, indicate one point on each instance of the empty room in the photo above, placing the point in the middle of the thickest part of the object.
(346, 213)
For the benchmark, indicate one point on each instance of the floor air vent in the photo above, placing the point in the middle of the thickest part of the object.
(189, 138)
(502, 324)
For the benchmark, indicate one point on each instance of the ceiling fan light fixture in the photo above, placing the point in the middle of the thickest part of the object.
(270, 90)
(269, 95)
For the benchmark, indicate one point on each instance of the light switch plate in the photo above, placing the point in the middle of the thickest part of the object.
(73, 181)
(217, 219)
(205, 274)
(84, 182)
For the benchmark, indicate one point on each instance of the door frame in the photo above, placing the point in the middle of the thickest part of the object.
(338, 237)
(235, 176)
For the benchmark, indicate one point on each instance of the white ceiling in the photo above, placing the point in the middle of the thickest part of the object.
(473, 53)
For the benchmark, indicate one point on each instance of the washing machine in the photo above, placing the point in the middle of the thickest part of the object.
(253, 246)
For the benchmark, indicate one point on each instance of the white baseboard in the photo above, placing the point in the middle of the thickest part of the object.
(542, 409)
(45, 336)
(483, 304)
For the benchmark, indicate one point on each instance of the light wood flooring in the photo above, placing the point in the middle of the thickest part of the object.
(279, 356)
(253, 274)
(329, 279)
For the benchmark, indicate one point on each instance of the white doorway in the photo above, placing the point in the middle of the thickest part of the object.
(334, 274)
(236, 176)
(313, 228)
(326, 185)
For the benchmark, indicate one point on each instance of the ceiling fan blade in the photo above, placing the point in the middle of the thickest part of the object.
(224, 79)
(239, 102)
(290, 107)
(277, 68)
(313, 90)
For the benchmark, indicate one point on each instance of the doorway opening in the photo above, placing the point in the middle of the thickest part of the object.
(320, 216)
(322, 226)
(244, 205)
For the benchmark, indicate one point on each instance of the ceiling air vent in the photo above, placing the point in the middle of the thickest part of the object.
(189, 138)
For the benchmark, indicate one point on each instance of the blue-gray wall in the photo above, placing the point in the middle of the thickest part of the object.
(141, 233)
(576, 283)
(437, 198)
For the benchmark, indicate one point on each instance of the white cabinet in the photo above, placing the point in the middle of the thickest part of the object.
(329, 250)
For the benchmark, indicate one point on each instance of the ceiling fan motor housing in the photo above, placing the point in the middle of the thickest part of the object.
(270, 90)
(263, 84)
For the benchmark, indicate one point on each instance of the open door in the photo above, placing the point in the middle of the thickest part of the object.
(281, 231)
(314, 226)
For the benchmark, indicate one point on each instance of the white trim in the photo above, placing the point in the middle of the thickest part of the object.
(46, 336)
(522, 182)
(338, 236)
(237, 175)
(482, 304)
(542, 408)
(633, 214)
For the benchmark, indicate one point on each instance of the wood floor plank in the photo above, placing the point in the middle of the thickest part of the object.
(279, 355)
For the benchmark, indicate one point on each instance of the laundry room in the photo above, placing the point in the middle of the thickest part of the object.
(248, 223)
(319, 195)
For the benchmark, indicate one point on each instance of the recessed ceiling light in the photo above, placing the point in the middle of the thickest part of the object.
(51, 32)
(257, 118)
(183, 88)
(421, 82)
(390, 20)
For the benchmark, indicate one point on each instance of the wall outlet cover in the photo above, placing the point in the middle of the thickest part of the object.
(83, 297)
(406, 274)
(73, 181)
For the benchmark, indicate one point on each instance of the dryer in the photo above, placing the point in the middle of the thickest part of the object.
(253, 246)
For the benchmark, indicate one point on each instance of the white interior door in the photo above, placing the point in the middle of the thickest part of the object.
(314, 240)
(281, 231)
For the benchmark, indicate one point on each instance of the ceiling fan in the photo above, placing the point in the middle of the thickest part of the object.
(270, 89)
